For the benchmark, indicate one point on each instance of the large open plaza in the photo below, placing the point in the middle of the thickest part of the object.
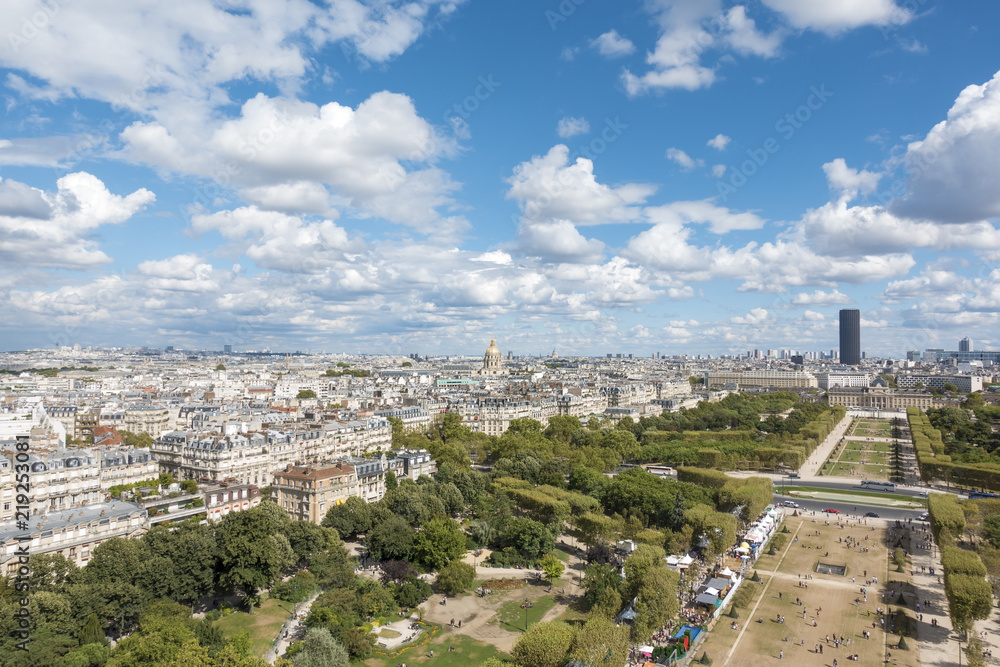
(805, 611)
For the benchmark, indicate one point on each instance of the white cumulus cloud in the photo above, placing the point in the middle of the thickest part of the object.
(613, 45)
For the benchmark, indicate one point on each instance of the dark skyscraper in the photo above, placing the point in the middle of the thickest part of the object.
(850, 336)
(965, 345)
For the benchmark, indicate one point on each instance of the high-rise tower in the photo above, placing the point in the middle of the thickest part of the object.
(965, 345)
(850, 336)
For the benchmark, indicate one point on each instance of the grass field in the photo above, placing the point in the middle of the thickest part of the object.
(511, 614)
(870, 428)
(860, 458)
(829, 600)
(263, 625)
(468, 653)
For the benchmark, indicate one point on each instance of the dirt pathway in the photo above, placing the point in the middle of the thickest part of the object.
(478, 613)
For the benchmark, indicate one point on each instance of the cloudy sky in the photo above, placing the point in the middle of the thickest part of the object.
(593, 176)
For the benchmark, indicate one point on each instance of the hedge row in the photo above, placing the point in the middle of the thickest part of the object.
(708, 478)
(959, 561)
(936, 464)
(945, 513)
(970, 596)
(733, 449)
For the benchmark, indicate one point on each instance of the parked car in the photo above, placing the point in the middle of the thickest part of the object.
(923, 517)
(831, 511)
(790, 503)
(871, 514)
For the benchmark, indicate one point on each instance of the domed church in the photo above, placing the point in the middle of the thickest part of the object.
(493, 361)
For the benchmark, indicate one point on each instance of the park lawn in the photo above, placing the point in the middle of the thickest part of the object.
(722, 637)
(468, 653)
(835, 594)
(576, 612)
(859, 445)
(562, 555)
(263, 626)
(511, 615)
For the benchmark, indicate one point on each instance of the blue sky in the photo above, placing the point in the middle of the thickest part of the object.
(682, 176)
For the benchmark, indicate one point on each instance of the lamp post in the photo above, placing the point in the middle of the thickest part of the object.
(525, 614)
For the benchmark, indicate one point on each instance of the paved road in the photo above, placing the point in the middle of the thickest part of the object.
(849, 508)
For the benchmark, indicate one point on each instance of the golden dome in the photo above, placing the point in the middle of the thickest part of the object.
(492, 349)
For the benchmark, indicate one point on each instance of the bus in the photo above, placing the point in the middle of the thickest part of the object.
(875, 485)
(981, 494)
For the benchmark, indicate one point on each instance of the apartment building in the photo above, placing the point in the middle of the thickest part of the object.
(762, 378)
(60, 480)
(127, 465)
(306, 493)
(214, 457)
(72, 532)
(412, 417)
(827, 380)
(416, 462)
(964, 383)
(153, 420)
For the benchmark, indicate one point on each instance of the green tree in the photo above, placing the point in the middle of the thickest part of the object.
(600, 642)
(253, 548)
(643, 560)
(562, 427)
(407, 364)
(137, 440)
(969, 599)
(183, 560)
(553, 567)
(456, 577)
(391, 539)
(390, 481)
(449, 453)
(544, 645)
(529, 537)
(452, 498)
(308, 540)
(51, 572)
(92, 631)
(439, 542)
(973, 400)
(220, 367)
(350, 518)
(604, 588)
(320, 649)
(305, 393)
(653, 608)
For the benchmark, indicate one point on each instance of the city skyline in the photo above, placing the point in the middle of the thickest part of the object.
(676, 176)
